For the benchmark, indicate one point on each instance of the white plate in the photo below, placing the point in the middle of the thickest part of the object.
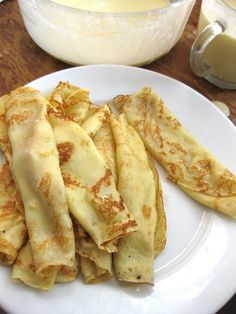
(196, 272)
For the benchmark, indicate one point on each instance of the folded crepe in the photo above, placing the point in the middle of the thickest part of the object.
(68, 274)
(24, 270)
(96, 264)
(12, 222)
(4, 140)
(92, 196)
(186, 161)
(72, 100)
(94, 122)
(35, 164)
(104, 142)
(136, 183)
(160, 230)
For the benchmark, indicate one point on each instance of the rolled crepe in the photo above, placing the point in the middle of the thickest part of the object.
(94, 122)
(35, 163)
(96, 264)
(24, 270)
(104, 142)
(191, 166)
(91, 192)
(160, 230)
(68, 274)
(71, 100)
(4, 140)
(12, 222)
(134, 260)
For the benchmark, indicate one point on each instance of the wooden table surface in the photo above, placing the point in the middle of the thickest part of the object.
(21, 61)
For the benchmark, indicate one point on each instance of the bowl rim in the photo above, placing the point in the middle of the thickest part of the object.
(143, 13)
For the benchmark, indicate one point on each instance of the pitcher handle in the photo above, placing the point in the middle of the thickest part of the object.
(197, 63)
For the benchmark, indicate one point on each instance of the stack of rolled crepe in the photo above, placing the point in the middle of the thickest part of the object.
(190, 165)
(67, 204)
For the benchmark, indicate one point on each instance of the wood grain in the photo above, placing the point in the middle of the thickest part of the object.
(21, 61)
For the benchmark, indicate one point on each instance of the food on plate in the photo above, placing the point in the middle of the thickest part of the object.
(191, 166)
(67, 274)
(96, 264)
(91, 192)
(4, 140)
(36, 170)
(76, 186)
(104, 142)
(94, 122)
(73, 100)
(12, 222)
(24, 270)
(160, 230)
(136, 183)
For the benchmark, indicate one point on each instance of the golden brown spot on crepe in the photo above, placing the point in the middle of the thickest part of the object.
(174, 170)
(2, 117)
(65, 270)
(201, 168)
(70, 180)
(121, 227)
(5, 145)
(65, 151)
(32, 267)
(58, 114)
(44, 184)
(18, 117)
(4, 173)
(158, 137)
(18, 261)
(171, 178)
(8, 208)
(103, 181)
(146, 211)
(44, 245)
(108, 207)
(105, 116)
(177, 147)
(136, 124)
(62, 240)
(176, 123)
(161, 106)
(226, 184)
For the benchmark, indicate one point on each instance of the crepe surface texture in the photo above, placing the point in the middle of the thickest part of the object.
(93, 123)
(35, 164)
(96, 264)
(136, 183)
(191, 166)
(161, 225)
(104, 142)
(12, 222)
(91, 192)
(72, 100)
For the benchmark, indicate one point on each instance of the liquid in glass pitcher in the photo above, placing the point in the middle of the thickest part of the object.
(213, 54)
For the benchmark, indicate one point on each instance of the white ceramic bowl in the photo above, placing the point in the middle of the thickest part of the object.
(84, 37)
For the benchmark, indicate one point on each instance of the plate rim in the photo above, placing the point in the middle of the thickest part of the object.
(192, 90)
